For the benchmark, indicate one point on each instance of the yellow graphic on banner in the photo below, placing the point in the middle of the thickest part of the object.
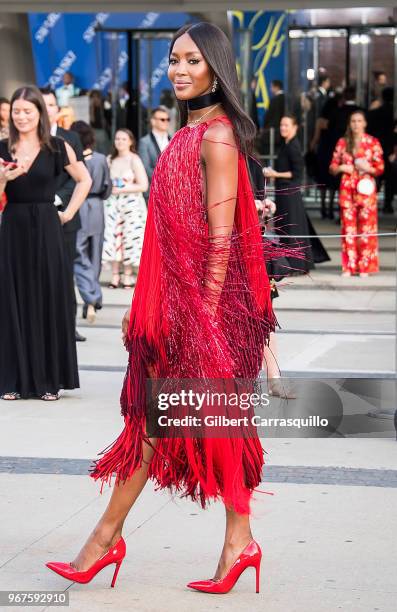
(269, 46)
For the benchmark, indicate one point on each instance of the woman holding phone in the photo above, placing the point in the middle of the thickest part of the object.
(37, 349)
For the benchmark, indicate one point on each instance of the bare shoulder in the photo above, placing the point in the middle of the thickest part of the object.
(219, 145)
(220, 131)
(135, 158)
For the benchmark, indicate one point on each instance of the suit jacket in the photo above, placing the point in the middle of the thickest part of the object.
(65, 183)
(275, 112)
(149, 152)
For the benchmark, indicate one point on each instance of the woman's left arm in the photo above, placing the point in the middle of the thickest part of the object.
(80, 175)
(295, 159)
(220, 158)
(378, 163)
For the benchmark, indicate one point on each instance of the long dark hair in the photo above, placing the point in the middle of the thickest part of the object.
(85, 132)
(217, 51)
(30, 93)
(114, 152)
(349, 134)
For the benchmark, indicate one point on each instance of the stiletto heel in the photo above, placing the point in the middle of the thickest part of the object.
(116, 571)
(115, 554)
(250, 557)
(258, 569)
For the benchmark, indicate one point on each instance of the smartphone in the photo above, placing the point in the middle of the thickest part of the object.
(9, 164)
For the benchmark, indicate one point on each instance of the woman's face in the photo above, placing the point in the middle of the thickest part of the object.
(288, 128)
(25, 116)
(4, 113)
(357, 124)
(188, 71)
(122, 142)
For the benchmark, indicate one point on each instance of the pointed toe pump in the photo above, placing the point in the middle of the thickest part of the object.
(250, 557)
(115, 555)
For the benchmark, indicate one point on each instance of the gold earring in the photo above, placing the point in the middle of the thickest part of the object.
(214, 86)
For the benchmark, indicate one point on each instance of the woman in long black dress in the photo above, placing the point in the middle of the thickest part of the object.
(37, 348)
(291, 219)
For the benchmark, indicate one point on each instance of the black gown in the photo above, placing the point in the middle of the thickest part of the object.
(37, 346)
(291, 218)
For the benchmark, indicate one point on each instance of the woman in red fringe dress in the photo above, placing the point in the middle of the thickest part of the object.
(201, 309)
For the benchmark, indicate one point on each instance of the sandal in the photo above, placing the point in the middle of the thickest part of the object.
(131, 284)
(113, 284)
(11, 396)
(50, 397)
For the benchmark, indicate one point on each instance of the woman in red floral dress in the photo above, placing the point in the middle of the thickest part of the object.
(359, 158)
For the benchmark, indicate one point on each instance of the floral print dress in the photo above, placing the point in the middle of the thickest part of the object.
(359, 214)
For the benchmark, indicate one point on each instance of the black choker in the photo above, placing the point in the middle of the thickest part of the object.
(203, 101)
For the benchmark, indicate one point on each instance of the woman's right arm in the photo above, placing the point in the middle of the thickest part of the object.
(9, 174)
(336, 166)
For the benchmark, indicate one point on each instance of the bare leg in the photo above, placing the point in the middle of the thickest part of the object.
(270, 358)
(238, 535)
(128, 279)
(108, 529)
(115, 273)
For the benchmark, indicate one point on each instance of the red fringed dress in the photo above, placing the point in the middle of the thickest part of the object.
(170, 329)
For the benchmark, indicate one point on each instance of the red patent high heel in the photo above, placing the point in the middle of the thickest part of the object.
(115, 555)
(250, 557)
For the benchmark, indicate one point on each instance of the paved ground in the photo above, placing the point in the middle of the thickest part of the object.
(328, 533)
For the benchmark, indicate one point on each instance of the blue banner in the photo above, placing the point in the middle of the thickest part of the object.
(67, 42)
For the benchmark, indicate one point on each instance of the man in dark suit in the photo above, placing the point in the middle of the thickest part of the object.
(65, 189)
(153, 144)
(381, 125)
(275, 112)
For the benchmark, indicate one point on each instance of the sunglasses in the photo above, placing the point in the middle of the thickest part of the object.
(162, 119)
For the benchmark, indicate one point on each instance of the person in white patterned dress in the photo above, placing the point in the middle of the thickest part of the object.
(125, 210)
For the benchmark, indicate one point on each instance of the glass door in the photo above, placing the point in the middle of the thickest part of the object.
(150, 84)
(372, 51)
(133, 66)
(312, 50)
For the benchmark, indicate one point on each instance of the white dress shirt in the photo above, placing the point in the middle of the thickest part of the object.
(162, 139)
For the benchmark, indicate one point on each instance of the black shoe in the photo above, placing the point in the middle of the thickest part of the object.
(79, 337)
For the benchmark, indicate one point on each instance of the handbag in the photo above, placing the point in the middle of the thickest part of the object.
(365, 187)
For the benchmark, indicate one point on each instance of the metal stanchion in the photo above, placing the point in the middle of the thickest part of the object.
(272, 147)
